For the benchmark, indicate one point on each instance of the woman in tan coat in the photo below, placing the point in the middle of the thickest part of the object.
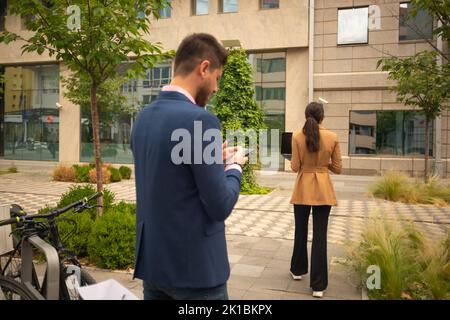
(315, 151)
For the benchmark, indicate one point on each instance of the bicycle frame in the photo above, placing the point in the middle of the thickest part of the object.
(54, 285)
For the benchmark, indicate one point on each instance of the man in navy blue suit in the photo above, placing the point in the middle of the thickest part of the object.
(183, 198)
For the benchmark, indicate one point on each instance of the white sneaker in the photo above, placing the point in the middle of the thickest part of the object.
(317, 294)
(295, 277)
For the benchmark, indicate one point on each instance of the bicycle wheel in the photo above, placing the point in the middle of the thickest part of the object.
(13, 290)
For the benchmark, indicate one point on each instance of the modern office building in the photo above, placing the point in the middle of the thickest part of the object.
(300, 50)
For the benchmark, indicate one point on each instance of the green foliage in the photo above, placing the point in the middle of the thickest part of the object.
(125, 172)
(81, 173)
(234, 103)
(76, 193)
(117, 28)
(74, 231)
(110, 33)
(111, 102)
(112, 241)
(235, 106)
(412, 266)
(115, 174)
(13, 169)
(435, 8)
(395, 186)
(420, 82)
(249, 184)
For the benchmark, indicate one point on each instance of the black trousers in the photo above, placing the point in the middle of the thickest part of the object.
(299, 261)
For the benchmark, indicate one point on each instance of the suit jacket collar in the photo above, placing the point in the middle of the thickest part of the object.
(174, 95)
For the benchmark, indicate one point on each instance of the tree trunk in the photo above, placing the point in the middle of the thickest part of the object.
(96, 133)
(427, 148)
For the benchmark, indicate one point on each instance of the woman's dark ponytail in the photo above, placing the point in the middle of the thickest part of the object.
(314, 115)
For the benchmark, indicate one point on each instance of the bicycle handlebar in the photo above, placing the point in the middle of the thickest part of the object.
(53, 213)
(10, 221)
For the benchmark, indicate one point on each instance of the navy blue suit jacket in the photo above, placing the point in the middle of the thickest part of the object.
(181, 209)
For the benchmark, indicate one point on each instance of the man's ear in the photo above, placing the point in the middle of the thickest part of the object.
(204, 66)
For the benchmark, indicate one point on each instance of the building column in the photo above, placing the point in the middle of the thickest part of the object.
(296, 90)
(69, 125)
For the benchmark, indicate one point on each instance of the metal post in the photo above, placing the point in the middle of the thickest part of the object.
(52, 272)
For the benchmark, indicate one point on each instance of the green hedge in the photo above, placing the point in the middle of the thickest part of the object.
(125, 172)
(112, 240)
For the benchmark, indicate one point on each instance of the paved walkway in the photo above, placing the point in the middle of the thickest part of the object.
(260, 231)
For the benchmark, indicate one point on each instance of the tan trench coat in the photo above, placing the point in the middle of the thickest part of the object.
(313, 185)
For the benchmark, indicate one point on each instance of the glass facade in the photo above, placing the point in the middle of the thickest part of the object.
(229, 6)
(270, 4)
(167, 11)
(269, 76)
(414, 28)
(400, 133)
(31, 117)
(353, 25)
(200, 7)
(115, 129)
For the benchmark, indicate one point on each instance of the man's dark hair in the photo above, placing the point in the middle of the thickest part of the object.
(196, 48)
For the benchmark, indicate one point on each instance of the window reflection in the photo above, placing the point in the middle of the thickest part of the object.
(229, 6)
(31, 117)
(388, 133)
(414, 28)
(200, 7)
(270, 4)
(115, 129)
(269, 77)
(353, 25)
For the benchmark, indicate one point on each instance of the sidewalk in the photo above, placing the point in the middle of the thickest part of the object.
(260, 231)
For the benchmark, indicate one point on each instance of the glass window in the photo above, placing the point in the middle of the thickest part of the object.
(388, 133)
(269, 77)
(31, 116)
(115, 129)
(200, 7)
(167, 11)
(270, 4)
(414, 28)
(353, 25)
(229, 6)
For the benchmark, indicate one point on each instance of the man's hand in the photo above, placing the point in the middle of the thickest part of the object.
(232, 155)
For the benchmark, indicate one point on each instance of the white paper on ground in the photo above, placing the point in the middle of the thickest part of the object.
(106, 290)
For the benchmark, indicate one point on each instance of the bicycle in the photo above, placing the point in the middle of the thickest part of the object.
(18, 276)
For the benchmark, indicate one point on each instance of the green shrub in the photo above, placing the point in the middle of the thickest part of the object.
(391, 186)
(125, 172)
(112, 241)
(115, 175)
(74, 232)
(394, 186)
(13, 169)
(412, 266)
(81, 173)
(78, 192)
(125, 207)
(249, 184)
(74, 229)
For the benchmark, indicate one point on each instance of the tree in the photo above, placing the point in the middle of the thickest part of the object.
(92, 37)
(235, 105)
(420, 83)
